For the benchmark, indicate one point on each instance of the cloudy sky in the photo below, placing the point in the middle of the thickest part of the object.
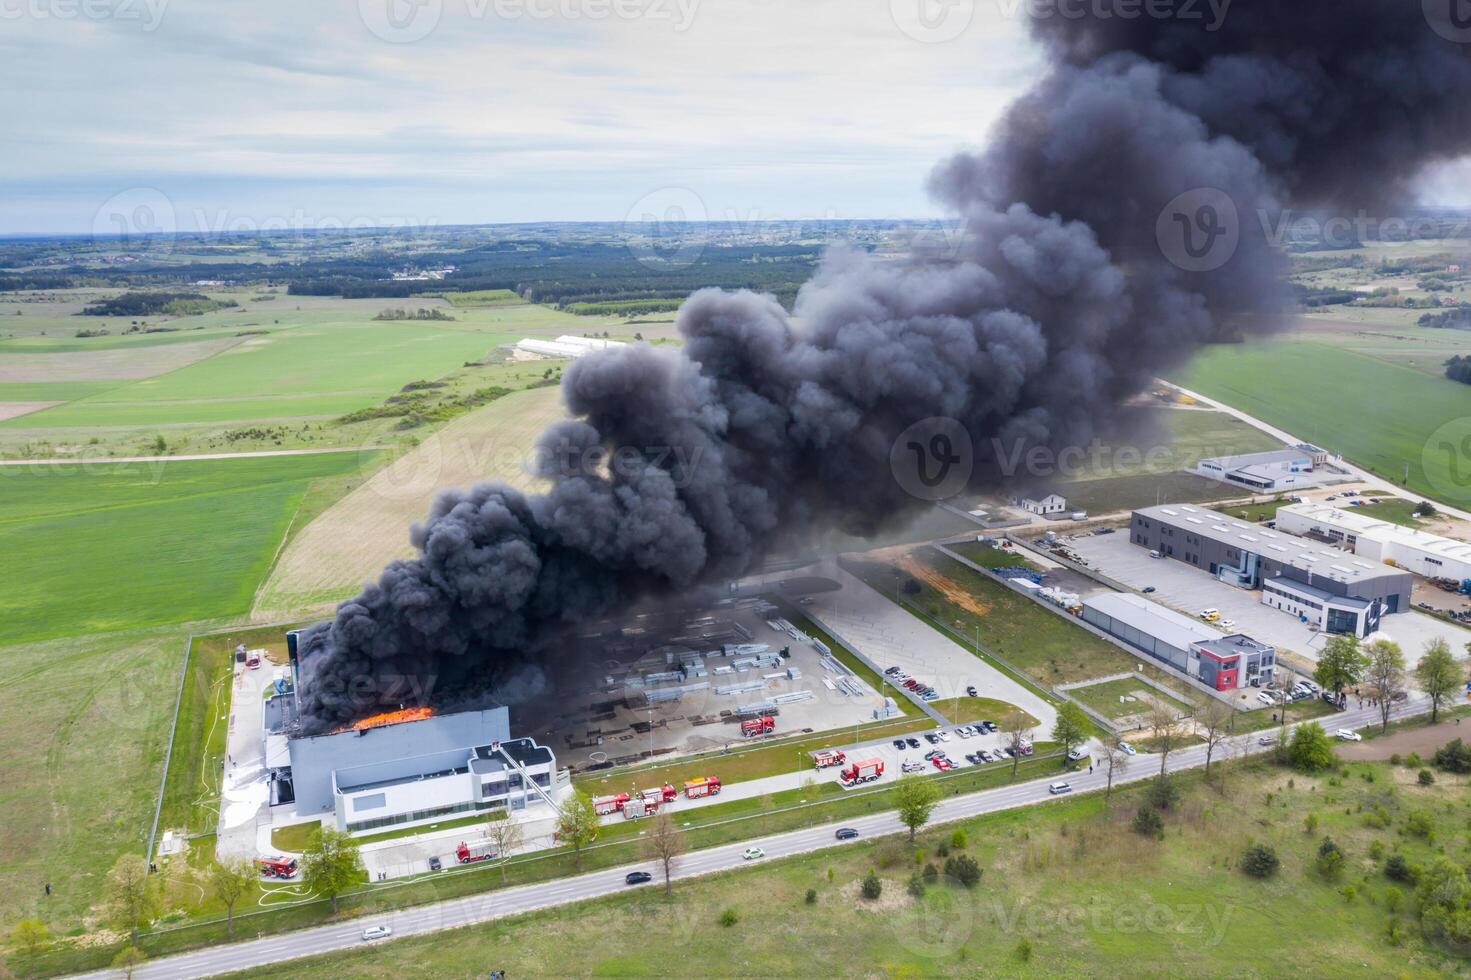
(222, 114)
(241, 112)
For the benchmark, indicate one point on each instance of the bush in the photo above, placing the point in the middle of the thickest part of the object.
(1419, 824)
(1330, 859)
(943, 850)
(811, 897)
(1412, 760)
(1163, 793)
(1426, 777)
(964, 869)
(1310, 823)
(1260, 861)
(872, 887)
(916, 885)
(1024, 950)
(1310, 751)
(1394, 899)
(1148, 822)
(1376, 850)
(1348, 892)
(1454, 756)
(728, 918)
(1398, 869)
(958, 840)
(931, 874)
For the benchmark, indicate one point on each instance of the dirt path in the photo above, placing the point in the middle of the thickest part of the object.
(903, 556)
(1422, 740)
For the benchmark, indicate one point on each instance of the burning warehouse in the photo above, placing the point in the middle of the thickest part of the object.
(403, 766)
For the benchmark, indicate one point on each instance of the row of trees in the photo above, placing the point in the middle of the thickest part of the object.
(1377, 670)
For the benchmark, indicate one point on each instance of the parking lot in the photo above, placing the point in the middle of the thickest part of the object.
(1189, 590)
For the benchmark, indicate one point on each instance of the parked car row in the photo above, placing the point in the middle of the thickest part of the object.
(925, 690)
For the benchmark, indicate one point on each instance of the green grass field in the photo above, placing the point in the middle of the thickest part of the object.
(1106, 698)
(117, 546)
(1310, 388)
(1067, 890)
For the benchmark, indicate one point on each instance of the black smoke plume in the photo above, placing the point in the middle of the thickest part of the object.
(1060, 297)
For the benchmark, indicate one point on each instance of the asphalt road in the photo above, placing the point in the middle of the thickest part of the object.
(511, 901)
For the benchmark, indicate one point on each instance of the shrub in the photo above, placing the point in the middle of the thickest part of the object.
(916, 885)
(1394, 899)
(964, 869)
(1330, 859)
(931, 874)
(1413, 760)
(919, 857)
(1454, 756)
(1148, 822)
(1310, 823)
(1024, 950)
(1163, 793)
(1398, 869)
(811, 897)
(1310, 750)
(872, 887)
(943, 850)
(1395, 759)
(958, 840)
(1348, 892)
(1260, 861)
(1376, 850)
(1426, 777)
(729, 918)
(1419, 824)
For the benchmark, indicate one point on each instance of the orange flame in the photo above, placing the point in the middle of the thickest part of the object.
(391, 718)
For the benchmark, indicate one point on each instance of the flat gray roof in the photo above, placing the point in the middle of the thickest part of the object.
(1163, 624)
(1322, 560)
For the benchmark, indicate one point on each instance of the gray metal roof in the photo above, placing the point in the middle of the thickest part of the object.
(1163, 624)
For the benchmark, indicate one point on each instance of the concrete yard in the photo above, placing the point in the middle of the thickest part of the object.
(889, 636)
(1189, 590)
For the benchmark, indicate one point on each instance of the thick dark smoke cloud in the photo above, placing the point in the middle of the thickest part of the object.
(1055, 303)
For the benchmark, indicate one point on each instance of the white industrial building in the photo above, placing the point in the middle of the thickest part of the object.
(565, 346)
(1224, 662)
(1275, 470)
(1421, 552)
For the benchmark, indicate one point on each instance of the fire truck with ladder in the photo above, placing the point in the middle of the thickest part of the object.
(862, 772)
(756, 727)
(647, 803)
(277, 867)
(827, 758)
(604, 805)
(470, 853)
(704, 786)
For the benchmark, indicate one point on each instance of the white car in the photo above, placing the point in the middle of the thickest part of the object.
(1127, 749)
(1265, 698)
(1057, 789)
(1227, 624)
(913, 767)
(376, 932)
(1210, 614)
(943, 735)
(1348, 735)
(752, 853)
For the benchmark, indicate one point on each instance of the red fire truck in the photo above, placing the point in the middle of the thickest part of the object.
(604, 805)
(277, 867)
(755, 727)
(705, 786)
(659, 794)
(470, 853)
(827, 758)
(862, 772)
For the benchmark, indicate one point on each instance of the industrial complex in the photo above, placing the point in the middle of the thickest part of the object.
(1278, 469)
(1187, 645)
(1340, 592)
(1374, 540)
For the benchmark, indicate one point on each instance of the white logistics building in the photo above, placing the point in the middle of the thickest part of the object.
(1421, 552)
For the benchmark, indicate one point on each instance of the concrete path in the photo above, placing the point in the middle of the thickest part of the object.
(185, 457)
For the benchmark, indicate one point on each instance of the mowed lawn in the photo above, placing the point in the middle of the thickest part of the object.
(118, 546)
(309, 371)
(1380, 415)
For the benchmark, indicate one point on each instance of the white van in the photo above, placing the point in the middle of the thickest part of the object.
(1058, 788)
(1155, 554)
(376, 932)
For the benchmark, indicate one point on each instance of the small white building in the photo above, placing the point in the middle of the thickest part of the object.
(1275, 470)
(1051, 504)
